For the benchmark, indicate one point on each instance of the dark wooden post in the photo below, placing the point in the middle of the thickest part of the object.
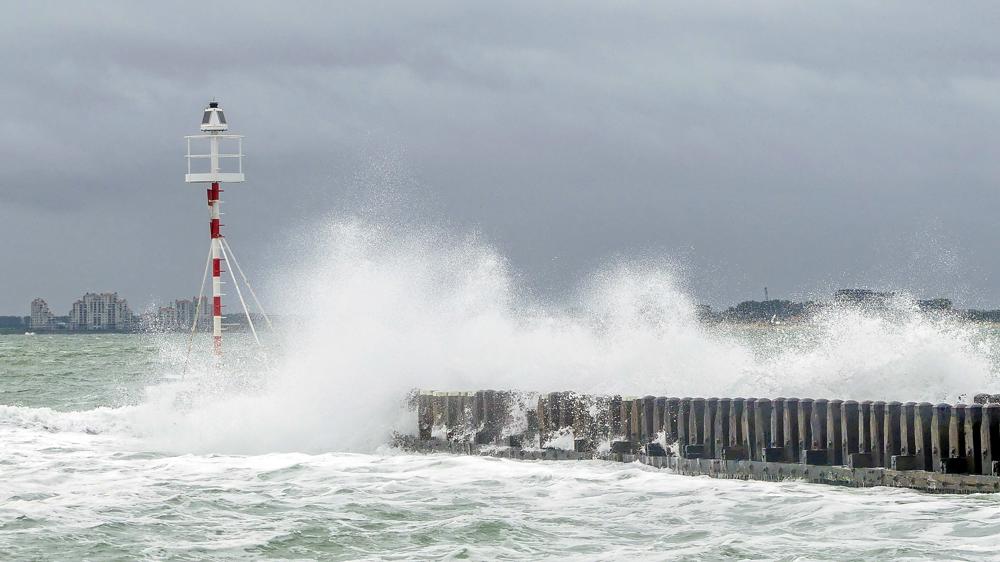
(683, 425)
(805, 425)
(907, 432)
(973, 437)
(956, 433)
(553, 414)
(543, 426)
(940, 420)
(849, 430)
(878, 434)
(567, 409)
(637, 408)
(659, 415)
(777, 423)
(865, 426)
(891, 432)
(615, 429)
(749, 435)
(648, 419)
(711, 411)
(736, 422)
(627, 402)
(834, 432)
(670, 419)
(425, 416)
(721, 432)
(696, 435)
(761, 428)
(922, 446)
(791, 430)
(990, 439)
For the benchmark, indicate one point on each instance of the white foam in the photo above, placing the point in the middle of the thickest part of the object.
(384, 310)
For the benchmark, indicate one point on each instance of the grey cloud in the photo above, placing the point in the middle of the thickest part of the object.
(795, 145)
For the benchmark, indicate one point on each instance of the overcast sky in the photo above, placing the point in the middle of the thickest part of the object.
(803, 146)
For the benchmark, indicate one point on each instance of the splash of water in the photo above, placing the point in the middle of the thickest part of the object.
(379, 311)
(382, 311)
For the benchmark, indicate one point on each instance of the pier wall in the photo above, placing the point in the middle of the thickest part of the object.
(935, 447)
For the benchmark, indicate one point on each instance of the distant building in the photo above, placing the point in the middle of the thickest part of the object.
(166, 318)
(41, 316)
(186, 309)
(100, 311)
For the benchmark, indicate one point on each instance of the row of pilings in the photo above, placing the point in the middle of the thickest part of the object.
(943, 438)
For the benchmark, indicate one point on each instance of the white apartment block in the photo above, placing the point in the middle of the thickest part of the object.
(100, 311)
(41, 316)
(186, 309)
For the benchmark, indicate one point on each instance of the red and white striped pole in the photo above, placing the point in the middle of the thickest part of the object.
(214, 127)
(213, 204)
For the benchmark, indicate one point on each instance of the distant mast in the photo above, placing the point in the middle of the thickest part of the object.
(215, 167)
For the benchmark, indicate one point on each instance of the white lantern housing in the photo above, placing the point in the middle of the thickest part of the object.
(214, 156)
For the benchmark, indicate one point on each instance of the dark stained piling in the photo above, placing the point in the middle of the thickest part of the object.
(584, 433)
(940, 420)
(711, 411)
(989, 439)
(791, 430)
(805, 425)
(553, 414)
(973, 437)
(956, 441)
(567, 409)
(891, 429)
(636, 423)
(849, 430)
(878, 434)
(425, 416)
(541, 413)
(696, 433)
(469, 425)
(736, 422)
(670, 419)
(865, 426)
(695, 447)
(626, 407)
(747, 428)
(659, 415)
(454, 409)
(817, 425)
(615, 429)
(683, 425)
(817, 452)
(922, 445)
(778, 424)
(938, 448)
(834, 432)
(439, 408)
(907, 430)
(722, 424)
(648, 418)
(478, 413)
(761, 428)
(736, 449)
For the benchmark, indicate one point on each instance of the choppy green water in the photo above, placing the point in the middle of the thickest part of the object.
(105, 455)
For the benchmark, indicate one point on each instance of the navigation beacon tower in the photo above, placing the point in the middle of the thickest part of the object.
(217, 159)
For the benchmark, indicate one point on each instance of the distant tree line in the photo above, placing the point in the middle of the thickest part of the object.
(784, 310)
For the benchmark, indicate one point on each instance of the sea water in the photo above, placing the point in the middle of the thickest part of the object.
(132, 447)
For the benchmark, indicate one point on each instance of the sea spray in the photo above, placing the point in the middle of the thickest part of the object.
(374, 310)
(381, 310)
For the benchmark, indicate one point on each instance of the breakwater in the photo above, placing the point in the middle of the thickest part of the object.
(934, 447)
